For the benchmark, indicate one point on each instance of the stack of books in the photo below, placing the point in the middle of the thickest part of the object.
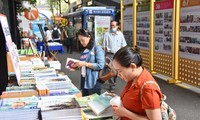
(37, 62)
(14, 91)
(59, 107)
(19, 108)
(55, 64)
(54, 44)
(59, 85)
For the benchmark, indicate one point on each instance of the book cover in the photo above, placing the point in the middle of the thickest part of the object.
(83, 101)
(19, 103)
(57, 103)
(70, 62)
(53, 79)
(19, 93)
(42, 70)
(100, 103)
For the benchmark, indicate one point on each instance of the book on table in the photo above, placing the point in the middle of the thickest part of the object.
(100, 103)
(83, 101)
(59, 107)
(87, 112)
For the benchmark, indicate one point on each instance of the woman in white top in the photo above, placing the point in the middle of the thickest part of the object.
(48, 34)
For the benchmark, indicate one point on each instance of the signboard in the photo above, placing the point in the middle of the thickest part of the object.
(143, 26)
(31, 14)
(128, 25)
(163, 26)
(100, 11)
(11, 46)
(36, 29)
(190, 29)
(102, 25)
(126, 2)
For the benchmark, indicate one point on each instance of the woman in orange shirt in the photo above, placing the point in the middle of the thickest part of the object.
(127, 62)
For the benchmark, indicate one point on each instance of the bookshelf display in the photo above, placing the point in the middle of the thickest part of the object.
(35, 91)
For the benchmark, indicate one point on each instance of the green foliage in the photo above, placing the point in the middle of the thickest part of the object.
(20, 8)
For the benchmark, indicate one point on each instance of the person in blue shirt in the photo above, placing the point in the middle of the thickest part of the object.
(91, 62)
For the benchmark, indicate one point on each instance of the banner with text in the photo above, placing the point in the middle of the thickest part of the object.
(11, 46)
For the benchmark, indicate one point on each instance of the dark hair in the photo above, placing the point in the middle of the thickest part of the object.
(117, 23)
(86, 33)
(127, 55)
(46, 28)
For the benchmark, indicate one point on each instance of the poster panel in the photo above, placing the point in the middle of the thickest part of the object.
(11, 46)
(128, 25)
(36, 29)
(102, 25)
(190, 30)
(163, 26)
(126, 2)
(143, 26)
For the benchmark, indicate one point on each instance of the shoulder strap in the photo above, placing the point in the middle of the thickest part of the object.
(147, 82)
(95, 49)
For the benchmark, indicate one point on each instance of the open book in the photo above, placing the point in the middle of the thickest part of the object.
(70, 62)
(100, 104)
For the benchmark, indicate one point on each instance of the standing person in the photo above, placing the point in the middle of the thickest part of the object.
(48, 34)
(127, 61)
(70, 34)
(48, 38)
(56, 34)
(31, 34)
(77, 43)
(91, 61)
(63, 36)
(112, 42)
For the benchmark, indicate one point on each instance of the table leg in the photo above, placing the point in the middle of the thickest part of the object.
(54, 56)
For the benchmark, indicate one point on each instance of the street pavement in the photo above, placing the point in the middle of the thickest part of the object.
(184, 100)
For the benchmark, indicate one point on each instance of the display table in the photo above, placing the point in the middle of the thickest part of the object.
(53, 49)
(58, 48)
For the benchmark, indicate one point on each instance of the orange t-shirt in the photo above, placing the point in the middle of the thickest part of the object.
(151, 95)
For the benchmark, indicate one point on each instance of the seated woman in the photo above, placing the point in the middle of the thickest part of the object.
(136, 106)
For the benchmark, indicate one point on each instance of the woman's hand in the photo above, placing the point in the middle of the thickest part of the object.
(119, 110)
(123, 112)
(111, 94)
(80, 64)
(72, 69)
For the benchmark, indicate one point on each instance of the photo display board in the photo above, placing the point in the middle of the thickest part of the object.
(189, 47)
(163, 37)
(128, 25)
(143, 26)
(102, 25)
(163, 27)
(11, 46)
(190, 30)
(126, 2)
